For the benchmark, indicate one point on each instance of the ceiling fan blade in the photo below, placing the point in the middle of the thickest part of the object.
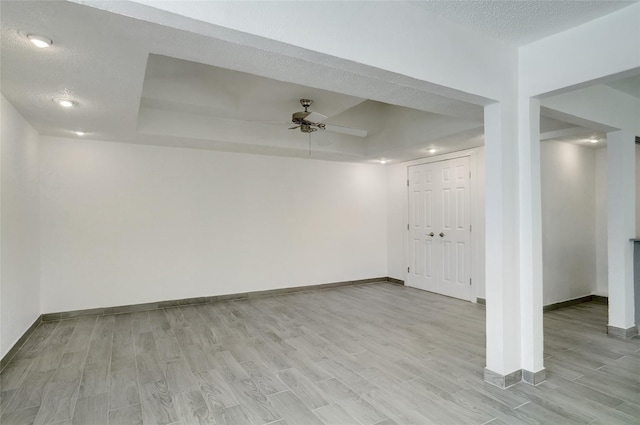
(315, 117)
(293, 128)
(269, 122)
(346, 130)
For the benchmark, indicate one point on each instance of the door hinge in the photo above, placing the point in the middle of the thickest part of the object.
(408, 269)
(469, 281)
(469, 227)
(469, 174)
(407, 226)
(407, 183)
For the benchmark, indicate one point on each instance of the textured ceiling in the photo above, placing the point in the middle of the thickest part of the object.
(520, 22)
(140, 82)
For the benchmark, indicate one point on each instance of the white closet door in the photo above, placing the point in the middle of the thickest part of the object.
(423, 263)
(439, 228)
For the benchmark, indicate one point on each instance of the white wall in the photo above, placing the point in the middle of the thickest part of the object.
(19, 230)
(125, 224)
(568, 174)
(601, 217)
(479, 251)
(637, 190)
(397, 217)
(602, 260)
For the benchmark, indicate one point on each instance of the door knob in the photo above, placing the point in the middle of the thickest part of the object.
(430, 234)
(441, 234)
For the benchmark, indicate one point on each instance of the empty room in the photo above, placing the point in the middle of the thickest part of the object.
(319, 212)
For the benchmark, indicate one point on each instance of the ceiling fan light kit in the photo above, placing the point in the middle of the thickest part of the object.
(306, 128)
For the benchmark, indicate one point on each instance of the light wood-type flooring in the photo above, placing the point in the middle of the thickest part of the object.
(364, 355)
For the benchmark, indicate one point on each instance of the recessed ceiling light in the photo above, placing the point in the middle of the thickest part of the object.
(593, 140)
(382, 161)
(432, 150)
(39, 41)
(64, 102)
(80, 133)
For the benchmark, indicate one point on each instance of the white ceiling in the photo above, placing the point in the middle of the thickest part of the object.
(140, 82)
(629, 85)
(520, 22)
(251, 110)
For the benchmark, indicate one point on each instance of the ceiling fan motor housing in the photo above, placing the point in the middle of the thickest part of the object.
(298, 117)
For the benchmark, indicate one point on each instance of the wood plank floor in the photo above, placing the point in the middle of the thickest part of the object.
(377, 354)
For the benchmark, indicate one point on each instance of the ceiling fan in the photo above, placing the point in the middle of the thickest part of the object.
(308, 122)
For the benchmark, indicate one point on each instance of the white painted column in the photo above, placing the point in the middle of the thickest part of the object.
(530, 240)
(502, 280)
(621, 228)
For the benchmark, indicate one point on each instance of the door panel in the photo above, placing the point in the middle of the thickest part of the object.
(417, 256)
(461, 256)
(428, 208)
(417, 208)
(446, 261)
(446, 209)
(439, 205)
(428, 259)
(461, 222)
